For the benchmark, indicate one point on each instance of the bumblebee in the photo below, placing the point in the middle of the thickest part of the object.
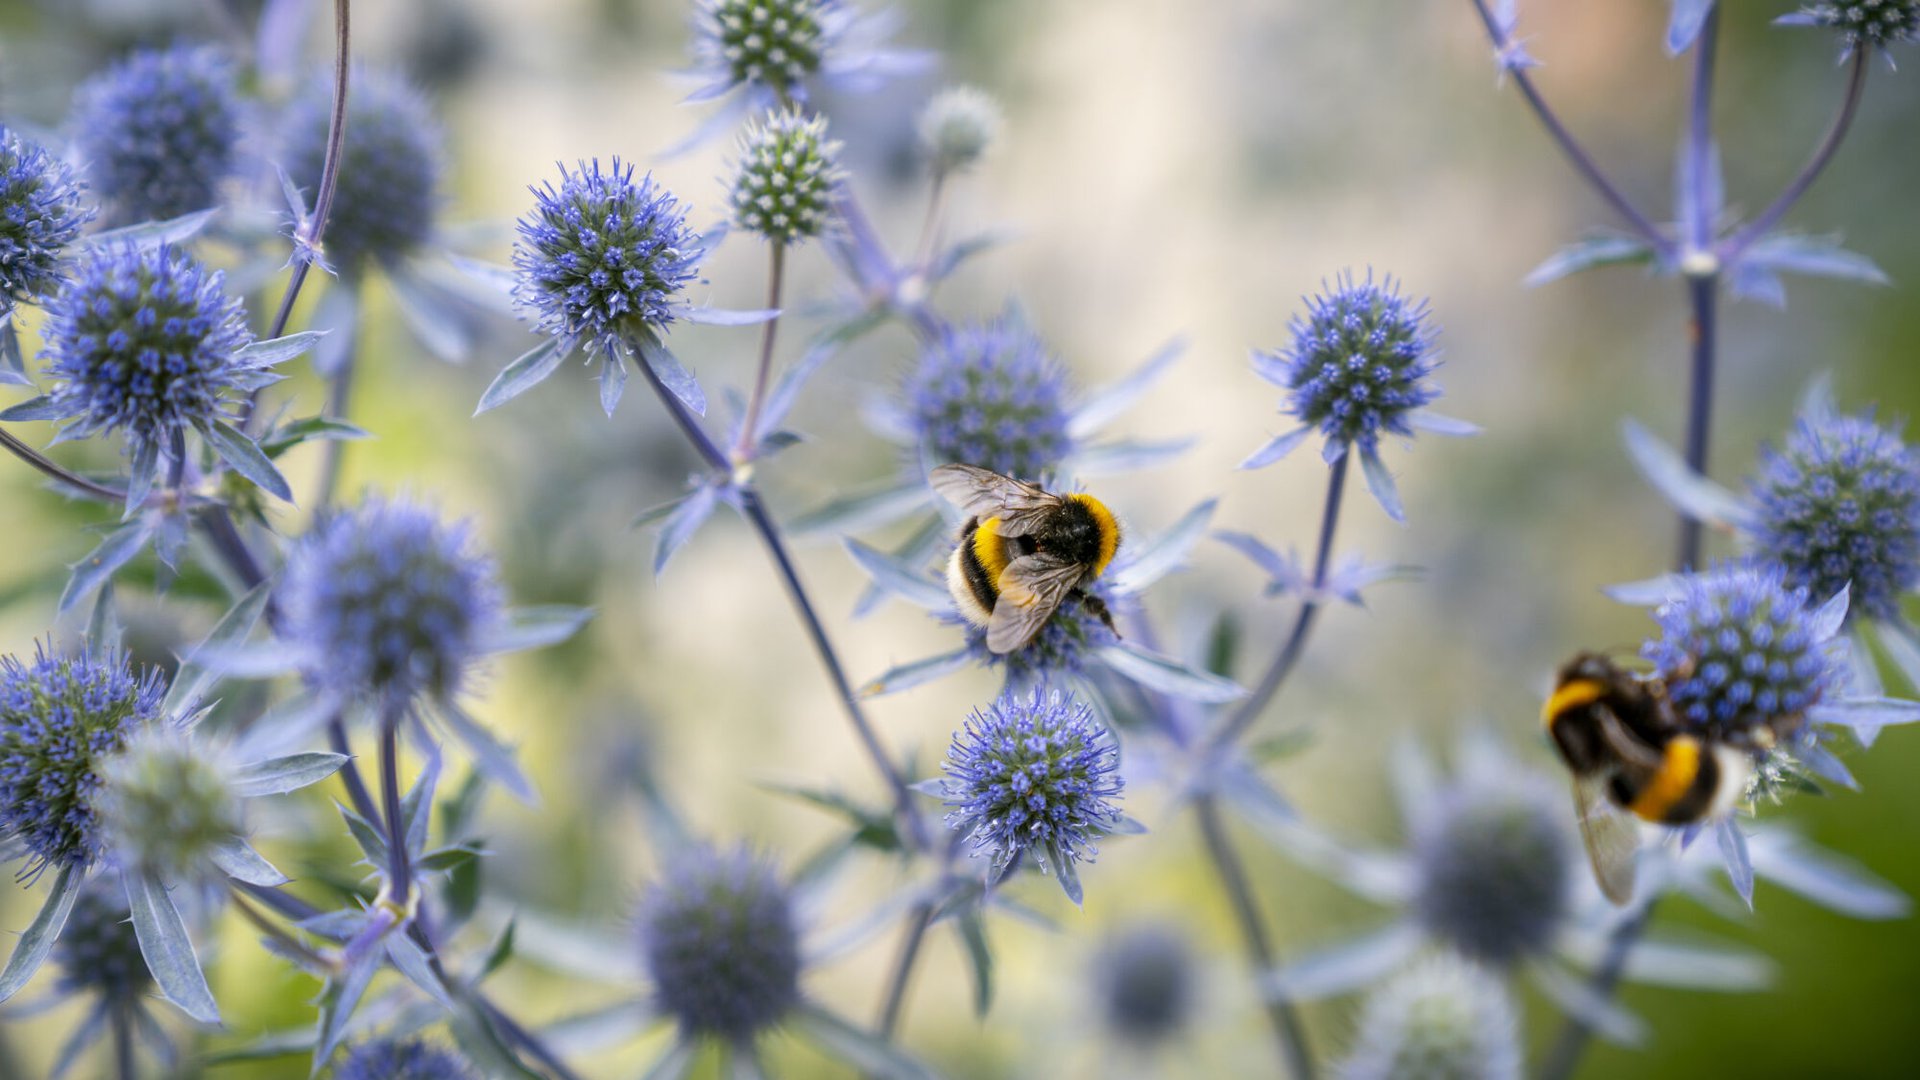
(1023, 552)
(1630, 755)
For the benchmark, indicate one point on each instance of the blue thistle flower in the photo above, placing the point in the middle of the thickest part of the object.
(1441, 1020)
(98, 952)
(40, 214)
(787, 177)
(1870, 24)
(720, 942)
(144, 341)
(397, 1059)
(602, 258)
(991, 395)
(1492, 869)
(60, 717)
(1739, 649)
(387, 600)
(1034, 774)
(1146, 979)
(772, 43)
(159, 131)
(1840, 506)
(1065, 646)
(390, 167)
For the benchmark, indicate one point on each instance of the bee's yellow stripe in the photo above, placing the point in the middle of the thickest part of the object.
(1571, 695)
(1109, 529)
(1678, 771)
(990, 548)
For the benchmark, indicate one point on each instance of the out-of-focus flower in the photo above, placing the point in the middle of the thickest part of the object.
(167, 806)
(159, 131)
(1145, 979)
(1443, 1019)
(403, 1059)
(1034, 774)
(957, 128)
(99, 964)
(40, 215)
(390, 166)
(1360, 365)
(787, 177)
(719, 940)
(1862, 24)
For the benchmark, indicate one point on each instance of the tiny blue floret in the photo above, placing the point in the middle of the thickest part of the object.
(991, 395)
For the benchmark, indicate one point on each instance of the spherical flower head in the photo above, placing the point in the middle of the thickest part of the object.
(40, 214)
(397, 1059)
(166, 805)
(98, 952)
(719, 939)
(1035, 772)
(143, 341)
(1444, 1019)
(1061, 647)
(158, 131)
(772, 43)
(1864, 23)
(784, 184)
(1737, 651)
(1145, 979)
(1359, 362)
(60, 718)
(957, 127)
(991, 395)
(1493, 867)
(603, 257)
(1840, 505)
(390, 166)
(389, 601)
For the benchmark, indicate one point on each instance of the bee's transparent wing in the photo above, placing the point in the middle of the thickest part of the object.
(1031, 589)
(1611, 836)
(983, 493)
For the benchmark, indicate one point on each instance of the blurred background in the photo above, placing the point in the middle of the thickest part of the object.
(1166, 167)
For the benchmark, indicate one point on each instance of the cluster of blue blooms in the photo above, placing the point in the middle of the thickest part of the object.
(360, 634)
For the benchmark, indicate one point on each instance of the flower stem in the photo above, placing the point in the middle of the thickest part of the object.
(744, 447)
(1822, 155)
(339, 397)
(1288, 1032)
(121, 1020)
(930, 228)
(895, 1001)
(1289, 655)
(1703, 295)
(399, 863)
(48, 467)
(1576, 155)
(275, 931)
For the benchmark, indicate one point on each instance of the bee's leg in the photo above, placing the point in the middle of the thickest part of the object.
(1098, 609)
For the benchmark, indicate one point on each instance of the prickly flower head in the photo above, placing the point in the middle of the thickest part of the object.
(387, 600)
(1871, 24)
(783, 186)
(1145, 978)
(40, 215)
(1444, 1019)
(403, 1059)
(773, 43)
(166, 804)
(390, 165)
(957, 127)
(97, 952)
(990, 394)
(158, 132)
(718, 936)
(1493, 867)
(603, 257)
(1839, 505)
(1359, 362)
(61, 717)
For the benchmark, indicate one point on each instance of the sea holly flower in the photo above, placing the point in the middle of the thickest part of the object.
(1442, 1019)
(957, 127)
(1862, 24)
(1360, 366)
(41, 215)
(1835, 507)
(159, 131)
(101, 772)
(403, 1059)
(1145, 979)
(1036, 776)
(787, 178)
(1491, 872)
(1076, 647)
(99, 964)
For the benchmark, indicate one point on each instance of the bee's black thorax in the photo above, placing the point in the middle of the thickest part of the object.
(1073, 532)
(1587, 684)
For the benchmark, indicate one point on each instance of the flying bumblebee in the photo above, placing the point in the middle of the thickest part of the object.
(1629, 754)
(1023, 552)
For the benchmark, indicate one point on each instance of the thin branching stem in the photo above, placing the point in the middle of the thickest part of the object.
(120, 1019)
(894, 1003)
(1576, 154)
(1289, 1033)
(745, 446)
(57, 472)
(399, 859)
(339, 399)
(1817, 164)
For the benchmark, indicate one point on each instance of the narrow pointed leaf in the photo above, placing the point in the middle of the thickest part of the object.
(103, 628)
(1813, 256)
(237, 859)
(1589, 254)
(864, 510)
(1107, 403)
(434, 315)
(536, 628)
(1827, 878)
(151, 234)
(197, 672)
(1688, 17)
(714, 316)
(411, 961)
(140, 475)
(167, 947)
(245, 457)
(918, 672)
(865, 1052)
(283, 439)
(339, 1000)
(1380, 482)
(115, 551)
(34, 945)
(489, 754)
(673, 375)
(1280, 446)
(899, 578)
(1159, 556)
(1733, 849)
(1649, 593)
(676, 1063)
(613, 382)
(1695, 495)
(1124, 456)
(973, 937)
(280, 775)
(1577, 998)
(528, 371)
(337, 313)
(1698, 967)
(43, 407)
(682, 523)
(1168, 675)
(264, 354)
(1339, 969)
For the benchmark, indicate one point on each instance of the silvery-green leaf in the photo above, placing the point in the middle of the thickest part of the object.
(1866, 716)
(1695, 495)
(1688, 17)
(713, 316)
(140, 475)
(899, 578)
(151, 234)
(245, 457)
(43, 407)
(1153, 559)
(1380, 482)
(973, 936)
(527, 628)
(613, 382)
(1345, 967)
(195, 676)
(1580, 1000)
(436, 317)
(1752, 281)
(168, 949)
(1284, 570)
(529, 370)
(103, 627)
(868, 1053)
(1383, 878)
(672, 374)
(492, 758)
(412, 962)
(1825, 877)
(1831, 615)
(1169, 676)
(417, 807)
(578, 949)
(945, 263)
(1124, 456)
(1651, 592)
(485, 284)
(277, 776)
(1594, 251)
(13, 366)
(237, 859)
(37, 941)
(598, 1030)
(682, 523)
(863, 510)
(338, 1001)
(115, 551)
(1434, 423)
(1108, 402)
(780, 401)
(676, 1063)
(1733, 849)
(285, 438)
(1279, 447)
(264, 354)
(1697, 967)
(1812, 256)
(83, 1038)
